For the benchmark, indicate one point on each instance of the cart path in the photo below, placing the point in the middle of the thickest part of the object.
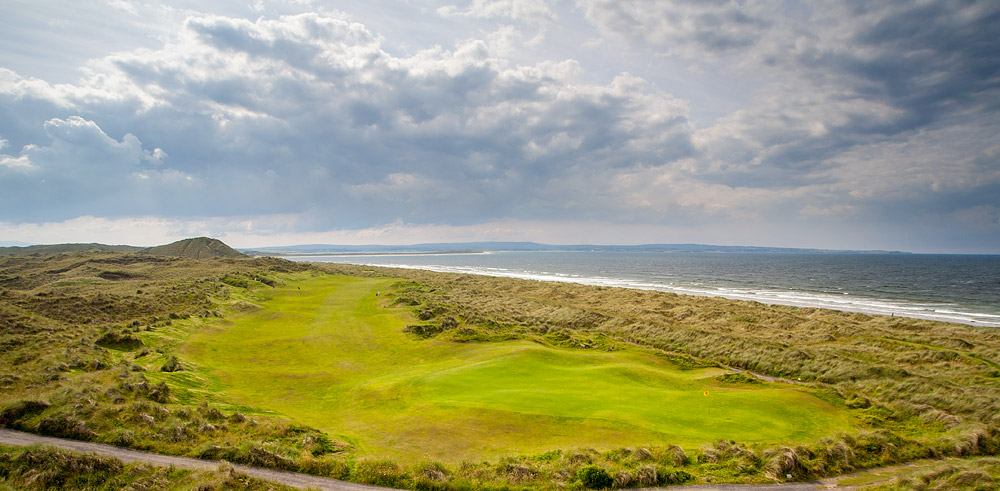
(306, 481)
(293, 479)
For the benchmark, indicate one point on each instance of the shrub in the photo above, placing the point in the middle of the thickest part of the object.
(320, 444)
(433, 471)
(118, 340)
(215, 452)
(738, 378)
(675, 456)
(46, 468)
(642, 455)
(515, 472)
(782, 462)
(236, 281)
(594, 477)
(120, 437)
(422, 330)
(176, 434)
(378, 472)
(211, 413)
(159, 393)
(673, 476)
(262, 457)
(65, 426)
(11, 414)
(172, 365)
(337, 469)
(623, 479)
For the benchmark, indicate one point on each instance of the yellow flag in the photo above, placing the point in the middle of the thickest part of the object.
(706, 393)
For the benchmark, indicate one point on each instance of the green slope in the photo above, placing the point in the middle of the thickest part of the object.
(196, 248)
(64, 248)
(325, 352)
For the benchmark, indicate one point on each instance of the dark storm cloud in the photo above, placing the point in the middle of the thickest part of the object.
(308, 112)
(849, 116)
(928, 59)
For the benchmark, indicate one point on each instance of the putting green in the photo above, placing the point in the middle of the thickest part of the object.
(325, 352)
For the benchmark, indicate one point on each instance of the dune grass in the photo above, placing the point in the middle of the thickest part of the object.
(42, 468)
(300, 367)
(325, 351)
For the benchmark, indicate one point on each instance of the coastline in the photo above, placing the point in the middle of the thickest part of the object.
(845, 302)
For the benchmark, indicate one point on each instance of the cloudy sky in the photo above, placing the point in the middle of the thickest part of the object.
(829, 124)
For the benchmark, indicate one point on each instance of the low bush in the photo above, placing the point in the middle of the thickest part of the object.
(423, 330)
(47, 468)
(172, 365)
(15, 412)
(121, 341)
(259, 456)
(159, 393)
(738, 378)
(594, 477)
(379, 473)
(675, 456)
(66, 426)
(326, 467)
(237, 281)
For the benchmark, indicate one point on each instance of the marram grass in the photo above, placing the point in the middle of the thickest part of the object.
(510, 383)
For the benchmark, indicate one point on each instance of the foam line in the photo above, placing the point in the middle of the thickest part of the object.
(842, 301)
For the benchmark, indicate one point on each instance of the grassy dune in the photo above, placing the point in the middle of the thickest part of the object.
(326, 352)
(457, 382)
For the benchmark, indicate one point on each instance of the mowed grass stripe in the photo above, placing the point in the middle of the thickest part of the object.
(326, 353)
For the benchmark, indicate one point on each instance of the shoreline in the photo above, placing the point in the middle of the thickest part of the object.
(373, 254)
(879, 307)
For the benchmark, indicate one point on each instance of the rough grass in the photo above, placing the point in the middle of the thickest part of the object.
(912, 389)
(46, 468)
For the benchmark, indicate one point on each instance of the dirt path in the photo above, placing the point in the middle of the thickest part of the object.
(767, 378)
(305, 481)
(302, 481)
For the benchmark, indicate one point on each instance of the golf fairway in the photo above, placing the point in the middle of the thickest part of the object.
(326, 352)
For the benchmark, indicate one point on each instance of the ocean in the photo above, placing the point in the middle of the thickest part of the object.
(950, 288)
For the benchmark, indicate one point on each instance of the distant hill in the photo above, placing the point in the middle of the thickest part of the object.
(196, 248)
(61, 248)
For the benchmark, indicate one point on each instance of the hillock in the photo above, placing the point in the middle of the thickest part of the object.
(196, 248)
(50, 249)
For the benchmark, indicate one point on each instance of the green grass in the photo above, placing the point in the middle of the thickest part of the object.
(325, 352)
(507, 382)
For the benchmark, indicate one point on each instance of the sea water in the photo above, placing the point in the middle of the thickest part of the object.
(951, 288)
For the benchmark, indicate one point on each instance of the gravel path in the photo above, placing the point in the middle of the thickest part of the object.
(305, 481)
(302, 481)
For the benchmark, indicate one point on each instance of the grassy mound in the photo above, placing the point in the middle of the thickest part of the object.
(196, 248)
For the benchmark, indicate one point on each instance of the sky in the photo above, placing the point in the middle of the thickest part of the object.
(790, 123)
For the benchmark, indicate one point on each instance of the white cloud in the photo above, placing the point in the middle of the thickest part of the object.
(320, 99)
(22, 163)
(857, 112)
(536, 12)
(124, 5)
